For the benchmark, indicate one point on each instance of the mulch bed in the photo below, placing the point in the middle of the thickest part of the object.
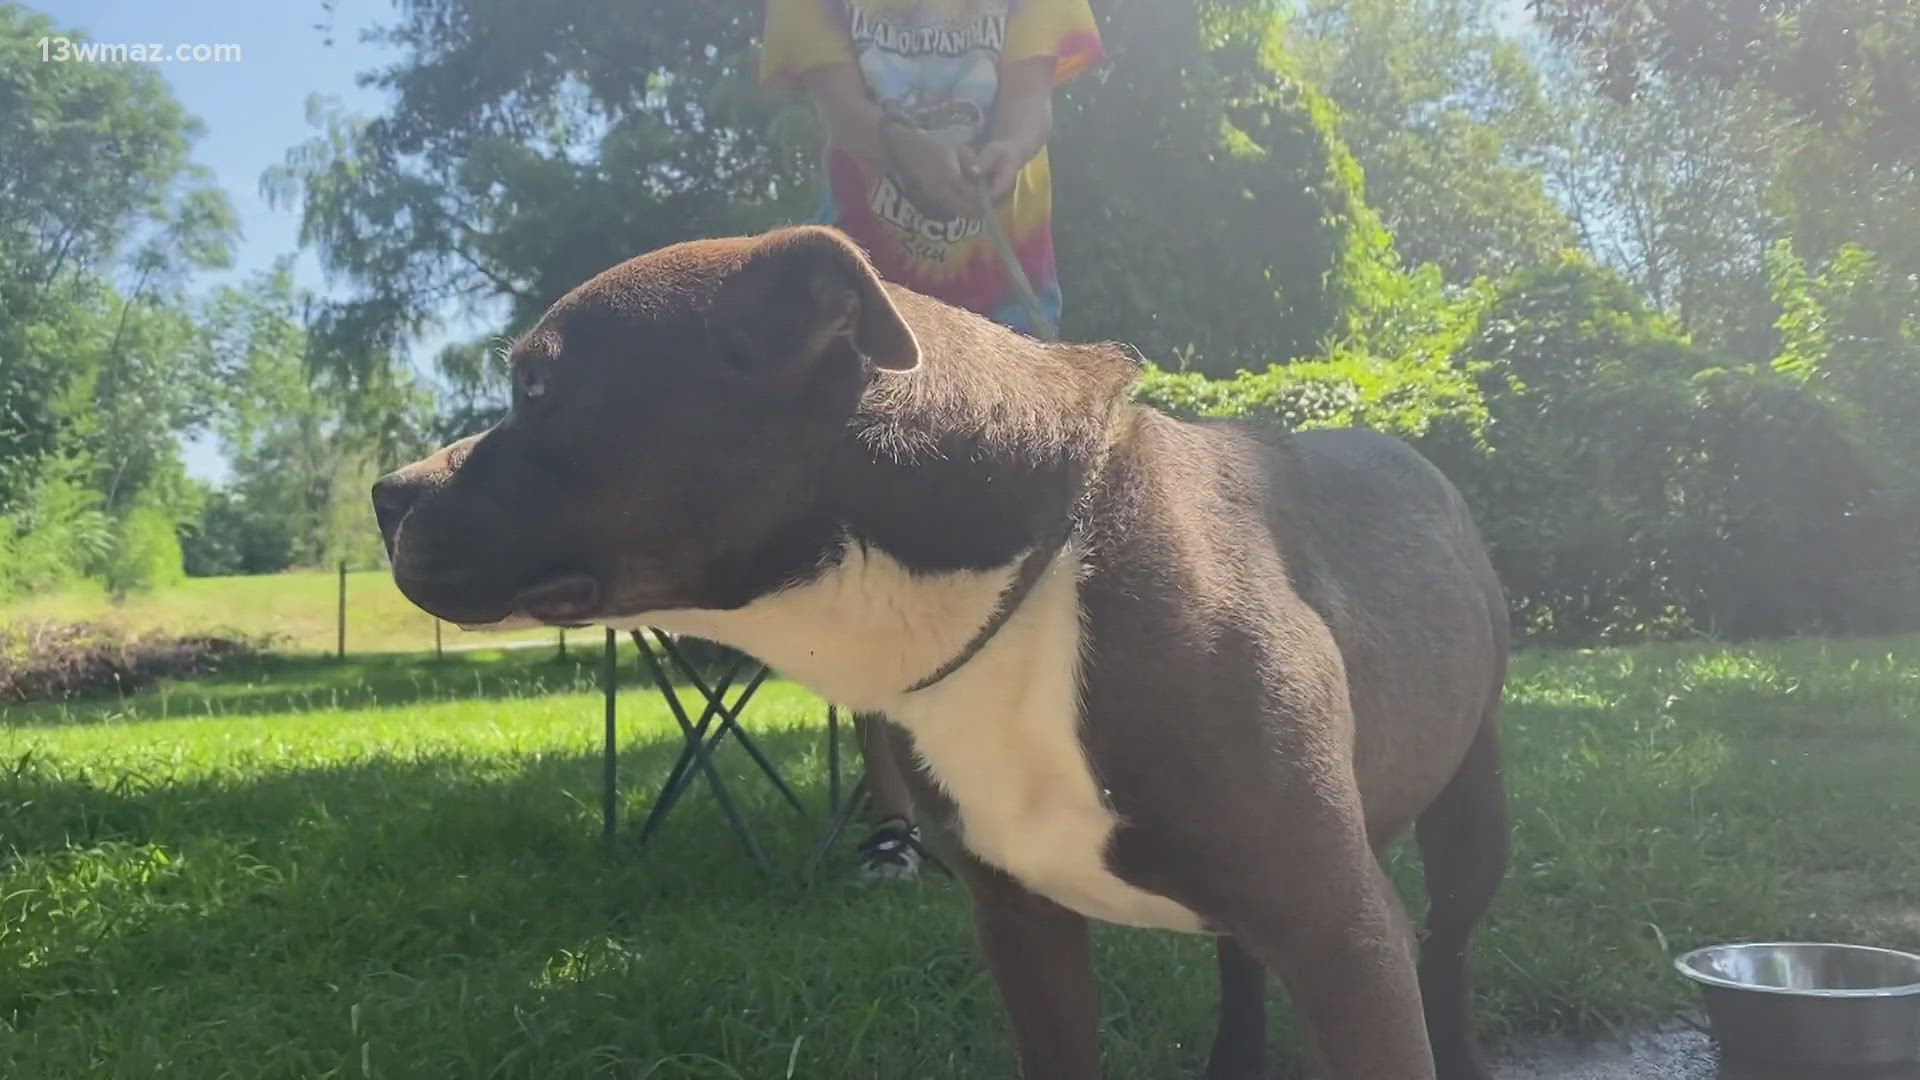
(56, 661)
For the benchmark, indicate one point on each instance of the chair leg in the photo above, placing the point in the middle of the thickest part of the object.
(833, 760)
(730, 719)
(697, 743)
(609, 791)
(680, 776)
(856, 798)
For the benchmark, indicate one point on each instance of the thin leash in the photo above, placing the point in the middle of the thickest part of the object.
(1035, 565)
(1043, 327)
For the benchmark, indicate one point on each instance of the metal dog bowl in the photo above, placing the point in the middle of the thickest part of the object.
(1810, 1010)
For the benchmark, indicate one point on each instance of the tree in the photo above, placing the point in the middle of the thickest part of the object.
(1637, 484)
(475, 387)
(1676, 191)
(1850, 67)
(1850, 332)
(305, 442)
(1207, 210)
(1448, 120)
(530, 146)
(96, 183)
(103, 218)
(1834, 194)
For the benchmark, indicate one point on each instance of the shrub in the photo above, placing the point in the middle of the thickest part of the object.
(1347, 391)
(232, 537)
(1636, 486)
(1589, 415)
(145, 554)
(1785, 530)
(1394, 369)
(57, 532)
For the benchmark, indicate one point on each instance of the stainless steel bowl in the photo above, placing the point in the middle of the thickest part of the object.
(1810, 1010)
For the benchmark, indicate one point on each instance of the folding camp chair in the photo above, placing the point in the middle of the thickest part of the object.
(700, 738)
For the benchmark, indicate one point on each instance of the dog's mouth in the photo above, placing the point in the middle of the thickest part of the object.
(569, 598)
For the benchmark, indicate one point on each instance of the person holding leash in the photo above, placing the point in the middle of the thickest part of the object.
(927, 102)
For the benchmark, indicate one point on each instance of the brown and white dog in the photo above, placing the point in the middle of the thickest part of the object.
(1156, 673)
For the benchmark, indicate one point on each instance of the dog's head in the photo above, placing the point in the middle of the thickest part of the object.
(675, 424)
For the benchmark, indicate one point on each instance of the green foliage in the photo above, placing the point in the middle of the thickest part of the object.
(145, 553)
(1783, 527)
(1851, 330)
(1678, 192)
(475, 390)
(104, 218)
(1399, 376)
(1635, 485)
(1804, 345)
(1850, 67)
(1351, 390)
(1448, 120)
(518, 157)
(1587, 414)
(305, 441)
(1834, 194)
(1203, 149)
(527, 147)
(1685, 184)
(1649, 450)
(231, 537)
(1850, 335)
(50, 537)
(99, 177)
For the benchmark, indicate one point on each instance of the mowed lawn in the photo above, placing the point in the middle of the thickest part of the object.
(299, 610)
(393, 869)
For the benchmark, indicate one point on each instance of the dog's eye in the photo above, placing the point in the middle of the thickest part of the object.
(534, 385)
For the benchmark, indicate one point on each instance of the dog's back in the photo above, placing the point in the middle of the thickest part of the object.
(1380, 544)
(1337, 556)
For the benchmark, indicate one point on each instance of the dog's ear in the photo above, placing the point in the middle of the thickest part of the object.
(799, 293)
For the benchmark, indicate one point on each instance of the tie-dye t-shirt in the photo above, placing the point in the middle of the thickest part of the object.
(938, 63)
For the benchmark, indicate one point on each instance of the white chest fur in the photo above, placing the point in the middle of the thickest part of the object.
(1000, 736)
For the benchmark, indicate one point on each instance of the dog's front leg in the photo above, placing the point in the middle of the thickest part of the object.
(1041, 960)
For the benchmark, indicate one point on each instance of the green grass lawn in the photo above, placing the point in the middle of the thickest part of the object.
(300, 609)
(392, 869)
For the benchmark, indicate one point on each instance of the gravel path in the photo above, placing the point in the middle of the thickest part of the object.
(1670, 1052)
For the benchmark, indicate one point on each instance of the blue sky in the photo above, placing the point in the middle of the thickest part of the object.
(254, 109)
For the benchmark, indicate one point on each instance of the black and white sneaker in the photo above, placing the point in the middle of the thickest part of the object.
(891, 852)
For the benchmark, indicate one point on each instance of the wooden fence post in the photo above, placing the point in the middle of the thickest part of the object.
(341, 638)
(610, 749)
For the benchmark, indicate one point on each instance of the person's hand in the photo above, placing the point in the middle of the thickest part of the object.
(999, 163)
(931, 170)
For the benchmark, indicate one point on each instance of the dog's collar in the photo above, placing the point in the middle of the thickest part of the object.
(1032, 569)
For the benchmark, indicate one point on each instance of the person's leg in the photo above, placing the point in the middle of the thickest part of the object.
(892, 849)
